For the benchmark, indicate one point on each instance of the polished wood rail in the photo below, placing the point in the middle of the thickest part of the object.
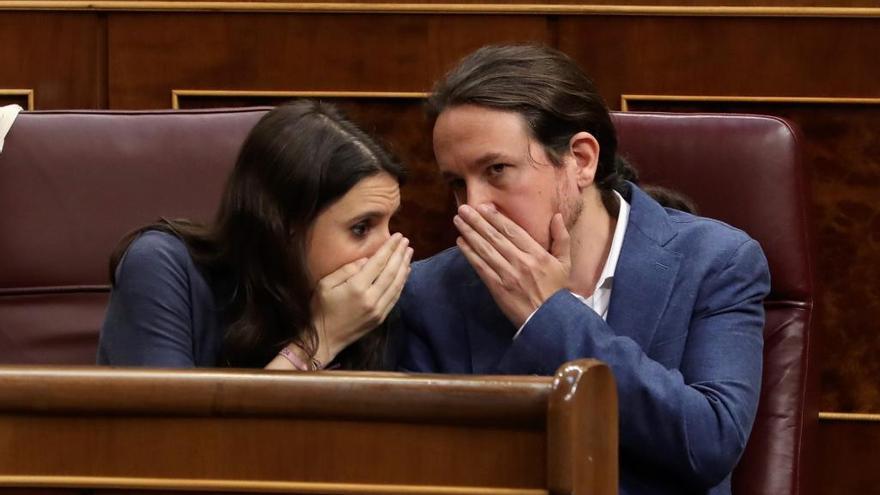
(116, 430)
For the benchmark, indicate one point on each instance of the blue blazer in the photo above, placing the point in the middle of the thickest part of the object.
(684, 338)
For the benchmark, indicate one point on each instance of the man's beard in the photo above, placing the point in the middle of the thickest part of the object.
(570, 209)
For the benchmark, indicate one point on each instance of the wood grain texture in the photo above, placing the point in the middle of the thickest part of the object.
(848, 457)
(520, 400)
(295, 52)
(741, 8)
(271, 450)
(254, 431)
(725, 56)
(58, 55)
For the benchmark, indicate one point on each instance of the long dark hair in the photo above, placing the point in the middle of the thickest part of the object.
(549, 90)
(299, 159)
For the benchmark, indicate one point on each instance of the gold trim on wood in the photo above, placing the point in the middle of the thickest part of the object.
(21, 92)
(626, 99)
(841, 416)
(177, 93)
(440, 8)
(106, 482)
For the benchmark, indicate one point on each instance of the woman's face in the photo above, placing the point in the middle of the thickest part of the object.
(353, 227)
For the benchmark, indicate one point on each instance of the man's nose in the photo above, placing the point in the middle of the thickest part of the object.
(477, 195)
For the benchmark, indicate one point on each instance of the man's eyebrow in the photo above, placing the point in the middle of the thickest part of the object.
(487, 159)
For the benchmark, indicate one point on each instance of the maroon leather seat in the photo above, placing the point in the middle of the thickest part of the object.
(72, 183)
(746, 171)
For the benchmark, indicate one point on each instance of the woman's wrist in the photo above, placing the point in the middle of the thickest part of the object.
(323, 355)
(295, 356)
(327, 348)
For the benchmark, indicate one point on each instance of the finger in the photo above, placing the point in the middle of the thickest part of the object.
(507, 227)
(389, 271)
(343, 273)
(560, 241)
(484, 249)
(392, 294)
(374, 265)
(485, 272)
(487, 231)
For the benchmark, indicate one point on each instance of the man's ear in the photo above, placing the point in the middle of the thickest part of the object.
(584, 150)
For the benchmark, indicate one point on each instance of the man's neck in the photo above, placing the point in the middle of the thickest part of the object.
(591, 238)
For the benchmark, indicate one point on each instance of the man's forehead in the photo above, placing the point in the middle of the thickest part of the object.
(470, 118)
(478, 139)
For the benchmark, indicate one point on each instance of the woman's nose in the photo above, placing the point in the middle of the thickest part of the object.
(378, 240)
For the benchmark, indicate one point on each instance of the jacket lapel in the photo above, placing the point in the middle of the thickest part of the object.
(646, 271)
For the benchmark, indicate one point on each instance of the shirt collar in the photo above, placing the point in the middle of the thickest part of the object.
(607, 275)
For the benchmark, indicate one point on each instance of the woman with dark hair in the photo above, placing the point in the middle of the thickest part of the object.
(298, 270)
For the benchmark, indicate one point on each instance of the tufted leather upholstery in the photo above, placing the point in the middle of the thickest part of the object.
(746, 171)
(72, 183)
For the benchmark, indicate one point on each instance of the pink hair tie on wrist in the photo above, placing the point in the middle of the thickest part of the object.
(295, 360)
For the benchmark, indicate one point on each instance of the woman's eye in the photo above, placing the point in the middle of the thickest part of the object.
(360, 229)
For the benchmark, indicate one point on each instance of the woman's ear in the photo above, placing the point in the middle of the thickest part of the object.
(584, 150)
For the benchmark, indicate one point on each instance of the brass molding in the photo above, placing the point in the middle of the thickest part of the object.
(626, 99)
(842, 416)
(177, 93)
(438, 8)
(108, 482)
(20, 92)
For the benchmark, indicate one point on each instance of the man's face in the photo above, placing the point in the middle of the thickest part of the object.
(488, 156)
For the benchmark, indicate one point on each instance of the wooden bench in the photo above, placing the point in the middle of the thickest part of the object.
(121, 430)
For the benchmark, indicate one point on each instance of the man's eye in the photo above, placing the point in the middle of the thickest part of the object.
(496, 169)
(360, 229)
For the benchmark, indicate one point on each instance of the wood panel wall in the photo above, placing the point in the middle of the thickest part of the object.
(814, 62)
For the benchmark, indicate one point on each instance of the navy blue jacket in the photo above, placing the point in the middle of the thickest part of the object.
(684, 338)
(163, 312)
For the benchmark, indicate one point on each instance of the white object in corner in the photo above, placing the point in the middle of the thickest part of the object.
(7, 117)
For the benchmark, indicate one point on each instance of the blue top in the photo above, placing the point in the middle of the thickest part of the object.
(684, 338)
(163, 311)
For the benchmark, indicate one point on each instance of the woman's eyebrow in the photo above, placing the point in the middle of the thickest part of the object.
(373, 214)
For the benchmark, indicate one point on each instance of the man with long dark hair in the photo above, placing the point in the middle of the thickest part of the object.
(559, 257)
